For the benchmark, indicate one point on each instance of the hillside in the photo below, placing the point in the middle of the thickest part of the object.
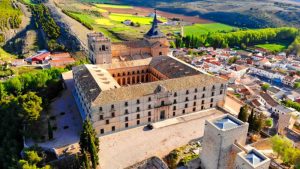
(241, 13)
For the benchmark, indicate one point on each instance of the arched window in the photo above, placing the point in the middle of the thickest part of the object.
(160, 53)
(103, 47)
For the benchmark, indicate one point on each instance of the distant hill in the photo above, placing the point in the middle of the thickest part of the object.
(241, 13)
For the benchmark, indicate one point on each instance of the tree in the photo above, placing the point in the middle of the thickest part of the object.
(258, 123)
(30, 106)
(243, 114)
(265, 87)
(251, 120)
(14, 86)
(89, 142)
(269, 122)
(3, 92)
(31, 160)
(297, 85)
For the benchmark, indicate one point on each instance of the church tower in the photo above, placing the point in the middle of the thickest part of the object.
(154, 34)
(99, 48)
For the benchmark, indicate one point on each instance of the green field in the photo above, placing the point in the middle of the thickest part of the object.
(4, 56)
(140, 19)
(114, 6)
(274, 47)
(200, 29)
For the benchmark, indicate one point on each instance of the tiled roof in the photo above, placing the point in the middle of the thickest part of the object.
(268, 99)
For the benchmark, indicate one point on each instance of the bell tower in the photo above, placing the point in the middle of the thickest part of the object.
(99, 48)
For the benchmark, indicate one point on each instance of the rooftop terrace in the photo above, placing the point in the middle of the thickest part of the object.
(227, 123)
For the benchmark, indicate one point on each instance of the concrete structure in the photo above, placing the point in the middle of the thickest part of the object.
(224, 146)
(128, 94)
(219, 136)
(131, 91)
(252, 160)
(102, 51)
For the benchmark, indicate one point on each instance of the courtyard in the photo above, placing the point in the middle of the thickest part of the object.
(123, 149)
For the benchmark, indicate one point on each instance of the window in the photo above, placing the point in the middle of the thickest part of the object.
(213, 87)
(186, 105)
(138, 116)
(202, 101)
(149, 119)
(204, 89)
(138, 72)
(103, 47)
(112, 114)
(138, 109)
(124, 74)
(187, 92)
(162, 103)
(222, 86)
(174, 113)
(175, 94)
(202, 107)
(126, 111)
(149, 106)
(102, 131)
(100, 109)
(186, 99)
(126, 104)
(174, 107)
(113, 128)
(126, 118)
(195, 103)
(112, 106)
(221, 91)
(211, 100)
(175, 101)
(183, 111)
(211, 105)
(203, 95)
(194, 109)
(138, 101)
(196, 90)
(149, 99)
(126, 125)
(149, 113)
(138, 122)
(107, 121)
(195, 97)
(213, 93)
(101, 117)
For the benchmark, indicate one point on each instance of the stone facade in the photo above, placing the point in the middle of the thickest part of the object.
(218, 143)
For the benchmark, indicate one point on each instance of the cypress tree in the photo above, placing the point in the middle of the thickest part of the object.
(251, 120)
(89, 142)
(243, 114)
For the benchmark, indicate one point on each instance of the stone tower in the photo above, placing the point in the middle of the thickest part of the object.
(99, 48)
(220, 134)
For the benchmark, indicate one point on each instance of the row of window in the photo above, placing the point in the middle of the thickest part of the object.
(131, 73)
(149, 119)
(162, 102)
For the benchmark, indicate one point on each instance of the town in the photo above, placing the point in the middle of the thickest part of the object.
(158, 101)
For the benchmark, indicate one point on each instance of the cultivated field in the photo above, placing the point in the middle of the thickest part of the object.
(273, 47)
(109, 19)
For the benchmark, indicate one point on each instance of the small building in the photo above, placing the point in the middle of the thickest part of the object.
(289, 80)
(252, 160)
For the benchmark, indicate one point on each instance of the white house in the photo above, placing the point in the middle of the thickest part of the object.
(266, 73)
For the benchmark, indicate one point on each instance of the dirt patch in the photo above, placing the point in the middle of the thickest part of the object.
(142, 11)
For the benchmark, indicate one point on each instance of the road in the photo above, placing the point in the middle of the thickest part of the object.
(74, 27)
(128, 147)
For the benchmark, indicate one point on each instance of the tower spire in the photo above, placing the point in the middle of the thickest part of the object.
(154, 31)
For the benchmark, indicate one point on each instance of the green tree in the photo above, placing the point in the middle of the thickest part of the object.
(297, 85)
(30, 106)
(14, 86)
(243, 114)
(269, 122)
(258, 123)
(89, 142)
(3, 92)
(265, 86)
(251, 120)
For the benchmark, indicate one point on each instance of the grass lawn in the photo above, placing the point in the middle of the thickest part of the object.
(198, 29)
(114, 6)
(84, 17)
(29, 2)
(4, 56)
(273, 47)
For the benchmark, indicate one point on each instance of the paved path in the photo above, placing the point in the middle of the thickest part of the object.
(128, 147)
